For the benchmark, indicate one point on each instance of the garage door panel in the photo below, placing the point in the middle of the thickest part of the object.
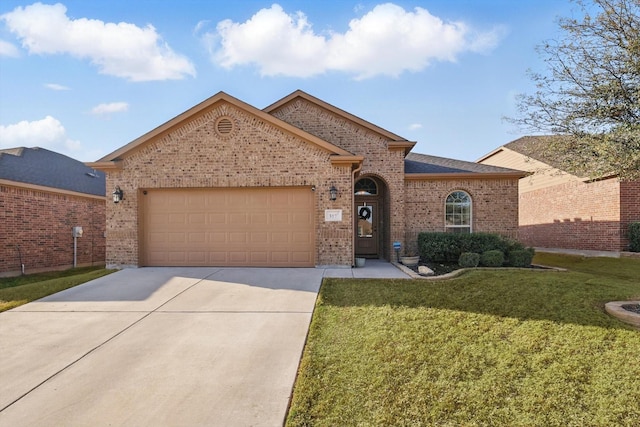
(237, 238)
(237, 218)
(197, 238)
(260, 237)
(217, 218)
(229, 227)
(217, 238)
(279, 237)
(304, 238)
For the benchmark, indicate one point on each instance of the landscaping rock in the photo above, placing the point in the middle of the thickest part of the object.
(423, 270)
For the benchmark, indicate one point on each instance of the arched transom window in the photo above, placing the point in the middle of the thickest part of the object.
(458, 212)
(366, 187)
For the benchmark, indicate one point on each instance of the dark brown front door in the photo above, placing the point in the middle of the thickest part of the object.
(367, 225)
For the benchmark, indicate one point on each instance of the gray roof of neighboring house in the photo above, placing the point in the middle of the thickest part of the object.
(39, 166)
(423, 163)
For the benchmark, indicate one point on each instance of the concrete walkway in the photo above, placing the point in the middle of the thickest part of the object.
(162, 347)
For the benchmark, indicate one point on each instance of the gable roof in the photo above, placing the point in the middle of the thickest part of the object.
(111, 160)
(396, 140)
(537, 148)
(426, 166)
(39, 166)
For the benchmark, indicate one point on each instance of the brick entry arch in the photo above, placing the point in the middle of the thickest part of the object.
(371, 217)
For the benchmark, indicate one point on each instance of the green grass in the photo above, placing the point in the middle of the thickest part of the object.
(489, 348)
(16, 291)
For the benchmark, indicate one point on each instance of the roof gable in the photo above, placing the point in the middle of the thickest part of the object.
(110, 160)
(38, 166)
(396, 140)
(536, 148)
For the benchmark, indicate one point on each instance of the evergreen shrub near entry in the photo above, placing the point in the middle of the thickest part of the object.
(447, 247)
(493, 258)
(521, 258)
(469, 259)
(634, 237)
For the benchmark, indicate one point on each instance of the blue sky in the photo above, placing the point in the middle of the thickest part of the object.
(86, 77)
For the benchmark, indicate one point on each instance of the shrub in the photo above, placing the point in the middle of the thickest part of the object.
(634, 237)
(469, 259)
(492, 258)
(447, 247)
(521, 258)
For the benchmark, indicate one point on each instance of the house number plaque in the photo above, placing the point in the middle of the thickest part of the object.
(332, 215)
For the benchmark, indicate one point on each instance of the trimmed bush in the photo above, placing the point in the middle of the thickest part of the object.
(634, 237)
(469, 259)
(521, 258)
(447, 247)
(493, 258)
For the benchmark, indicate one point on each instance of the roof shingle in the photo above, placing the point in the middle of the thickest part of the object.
(423, 163)
(40, 166)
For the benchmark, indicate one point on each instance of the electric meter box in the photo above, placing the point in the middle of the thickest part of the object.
(77, 231)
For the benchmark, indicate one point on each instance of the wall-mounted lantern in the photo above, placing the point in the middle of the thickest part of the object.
(118, 195)
(333, 193)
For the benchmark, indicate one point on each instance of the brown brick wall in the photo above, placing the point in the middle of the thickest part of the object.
(629, 208)
(573, 215)
(379, 161)
(40, 223)
(255, 154)
(494, 205)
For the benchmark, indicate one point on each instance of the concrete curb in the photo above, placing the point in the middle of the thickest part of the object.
(614, 308)
(456, 273)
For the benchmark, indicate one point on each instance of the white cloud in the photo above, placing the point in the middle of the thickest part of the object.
(113, 107)
(415, 126)
(122, 50)
(46, 133)
(7, 49)
(55, 86)
(388, 40)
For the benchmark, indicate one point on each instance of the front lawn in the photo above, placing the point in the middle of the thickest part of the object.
(15, 291)
(489, 348)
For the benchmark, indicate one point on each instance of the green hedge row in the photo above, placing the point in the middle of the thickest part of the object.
(448, 247)
(634, 237)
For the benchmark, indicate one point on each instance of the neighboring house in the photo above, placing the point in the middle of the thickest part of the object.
(563, 209)
(299, 183)
(43, 195)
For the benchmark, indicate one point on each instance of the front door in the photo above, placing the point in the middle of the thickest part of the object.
(367, 224)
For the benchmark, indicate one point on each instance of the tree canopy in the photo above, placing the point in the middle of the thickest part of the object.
(590, 92)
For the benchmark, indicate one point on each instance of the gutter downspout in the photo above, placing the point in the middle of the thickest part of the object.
(353, 205)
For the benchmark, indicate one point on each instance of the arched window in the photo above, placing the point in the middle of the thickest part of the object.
(458, 212)
(366, 187)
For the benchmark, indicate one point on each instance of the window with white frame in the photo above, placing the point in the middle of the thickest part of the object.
(458, 212)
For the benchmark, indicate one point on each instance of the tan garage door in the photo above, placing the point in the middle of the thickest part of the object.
(259, 227)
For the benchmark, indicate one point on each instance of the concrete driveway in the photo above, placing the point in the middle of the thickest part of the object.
(161, 346)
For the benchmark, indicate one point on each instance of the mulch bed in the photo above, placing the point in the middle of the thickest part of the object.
(634, 308)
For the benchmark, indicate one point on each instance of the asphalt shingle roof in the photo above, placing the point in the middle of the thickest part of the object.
(423, 163)
(40, 166)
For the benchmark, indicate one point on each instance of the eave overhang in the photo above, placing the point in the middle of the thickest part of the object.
(45, 189)
(454, 175)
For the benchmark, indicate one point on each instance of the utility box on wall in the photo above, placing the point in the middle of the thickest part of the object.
(77, 231)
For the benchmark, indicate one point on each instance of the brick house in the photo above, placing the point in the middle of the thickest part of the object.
(298, 183)
(43, 195)
(561, 209)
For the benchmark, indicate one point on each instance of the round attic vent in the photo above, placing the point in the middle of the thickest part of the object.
(224, 126)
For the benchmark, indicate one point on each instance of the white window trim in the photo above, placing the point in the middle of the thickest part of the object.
(470, 226)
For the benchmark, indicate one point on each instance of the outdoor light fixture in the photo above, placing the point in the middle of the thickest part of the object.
(333, 193)
(117, 195)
